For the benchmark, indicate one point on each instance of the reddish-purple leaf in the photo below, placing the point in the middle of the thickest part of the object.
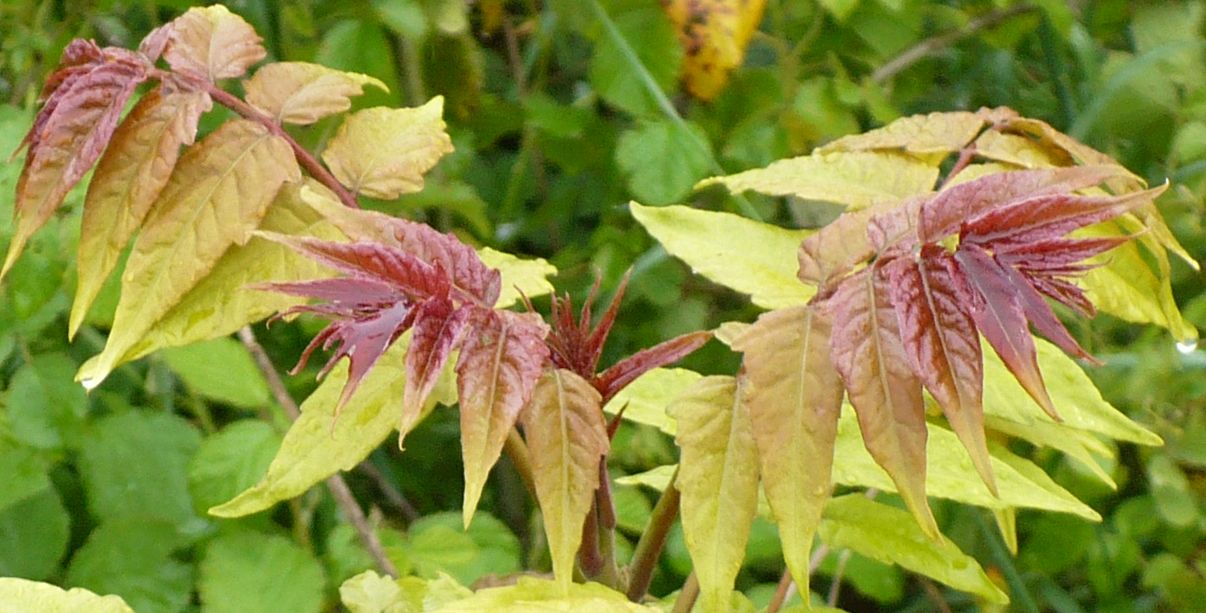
(1018, 223)
(448, 253)
(868, 354)
(501, 358)
(341, 291)
(1040, 314)
(438, 328)
(153, 44)
(998, 314)
(940, 340)
(68, 136)
(361, 337)
(614, 379)
(835, 249)
(945, 212)
(387, 265)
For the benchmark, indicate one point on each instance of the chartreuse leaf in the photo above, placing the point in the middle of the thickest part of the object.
(749, 256)
(885, 533)
(856, 179)
(383, 152)
(793, 396)
(882, 387)
(220, 369)
(21, 595)
(644, 401)
(220, 191)
(714, 34)
(936, 133)
(529, 277)
(302, 93)
(317, 445)
(718, 479)
(137, 164)
(563, 427)
(249, 571)
(214, 43)
(534, 594)
(369, 592)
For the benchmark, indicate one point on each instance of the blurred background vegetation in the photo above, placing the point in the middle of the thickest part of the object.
(557, 125)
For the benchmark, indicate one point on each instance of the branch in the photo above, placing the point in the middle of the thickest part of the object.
(649, 548)
(335, 483)
(931, 45)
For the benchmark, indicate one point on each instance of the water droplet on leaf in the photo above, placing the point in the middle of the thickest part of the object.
(1187, 347)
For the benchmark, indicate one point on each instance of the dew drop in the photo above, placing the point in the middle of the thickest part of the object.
(1187, 347)
(90, 383)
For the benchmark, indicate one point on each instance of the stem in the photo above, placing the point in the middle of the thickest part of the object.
(1000, 556)
(304, 157)
(517, 451)
(609, 572)
(966, 155)
(835, 588)
(335, 483)
(391, 492)
(782, 592)
(649, 547)
(934, 44)
(688, 595)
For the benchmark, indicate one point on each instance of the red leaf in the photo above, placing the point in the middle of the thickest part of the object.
(374, 262)
(1040, 314)
(868, 354)
(944, 213)
(614, 379)
(1019, 223)
(998, 314)
(153, 44)
(449, 254)
(942, 345)
(341, 291)
(501, 359)
(438, 329)
(362, 337)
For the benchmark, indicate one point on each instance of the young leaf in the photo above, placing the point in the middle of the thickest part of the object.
(564, 429)
(714, 35)
(439, 328)
(214, 43)
(793, 396)
(998, 313)
(942, 345)
(836, 249)
(136, 166)
(220, 191)
(756, 259)
(383, 153)
(393, 270)
(856, 179)
(1018, 223)
(886, 394)
(499, 364)
(718, 478)
(936, 133)
(302, 93)
(620, 374)
(68, 135)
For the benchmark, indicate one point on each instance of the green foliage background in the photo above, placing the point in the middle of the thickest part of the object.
(555, 129)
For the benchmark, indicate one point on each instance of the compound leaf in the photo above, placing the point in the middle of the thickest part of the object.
(213, 42)
(302, 93)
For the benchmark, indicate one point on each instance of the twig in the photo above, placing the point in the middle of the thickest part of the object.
(835, 588)
(782, 592)
(931, 45)
(688, 595)
(387, 488)
(335, 483)
(649, 547)
(935, 596)
(517, 451)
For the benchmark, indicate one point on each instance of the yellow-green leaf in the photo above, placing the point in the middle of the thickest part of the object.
(528, 277)
(25, 596)
(383, 153)
(302, 93)
(135, 167)
(857, 179)
(217, 196)
(563, 427)
(214, 43)
(794, 396)
(714, 35)
(886, 534)
(534, 594)
(369, 592)
(748, 256)
(644, 401)
(935, 133)
(718, 478)
(318, 445)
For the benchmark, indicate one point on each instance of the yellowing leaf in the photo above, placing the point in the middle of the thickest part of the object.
(136, 166)
(25, 596)
(220, 191)
(563, 427)
(644, 401)
(714, 35)
(214, 43)
(302, 93)
(794, 397)
(857, 179)
(529, 277)
(533, 594)
(370, 592)
(748, 256)
(383, 153)
(885, 533)
(317, 445)
(920, 134)
(1018, 150)
(718, 478)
